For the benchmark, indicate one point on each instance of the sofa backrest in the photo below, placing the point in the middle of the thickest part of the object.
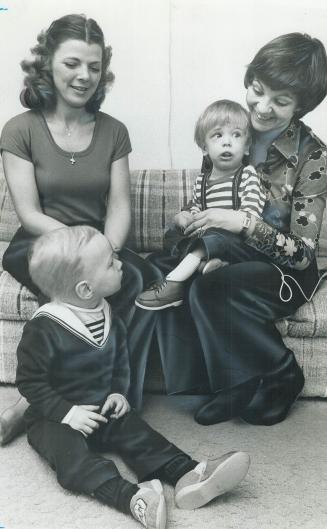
(157, 195)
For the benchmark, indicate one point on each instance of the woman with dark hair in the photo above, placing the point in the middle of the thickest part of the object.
(66, 163)
(223, 340)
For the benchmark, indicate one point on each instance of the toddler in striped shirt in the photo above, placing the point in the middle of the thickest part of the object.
(223, 133)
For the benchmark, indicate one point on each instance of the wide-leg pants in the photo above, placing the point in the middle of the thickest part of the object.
(224, 334)
(77, 460)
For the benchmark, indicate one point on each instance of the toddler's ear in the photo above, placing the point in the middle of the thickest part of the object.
(83, 290)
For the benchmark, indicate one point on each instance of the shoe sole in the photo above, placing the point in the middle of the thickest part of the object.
(224, 478)
(172, 304)
(161, 517)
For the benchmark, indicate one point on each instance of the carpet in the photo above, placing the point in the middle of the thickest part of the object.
(286, 487)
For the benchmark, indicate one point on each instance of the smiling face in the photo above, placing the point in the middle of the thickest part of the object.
(102, 271)
(270, 109)
(226, 145)
(76, 72)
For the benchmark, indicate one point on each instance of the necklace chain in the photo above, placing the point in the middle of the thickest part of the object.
(68, 132)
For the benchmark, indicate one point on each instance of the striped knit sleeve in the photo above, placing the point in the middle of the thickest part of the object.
(251, 192)
(196, 195)
(196, 198)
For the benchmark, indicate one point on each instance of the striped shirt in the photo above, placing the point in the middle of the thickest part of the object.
(219, 192)
(96, 328)
(93, 319)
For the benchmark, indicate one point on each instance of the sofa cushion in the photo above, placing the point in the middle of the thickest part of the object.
(3, 247)
(310, 320)
(10, 335)
(156, 197)
(311, 356)
(16, 301)
(8, 218)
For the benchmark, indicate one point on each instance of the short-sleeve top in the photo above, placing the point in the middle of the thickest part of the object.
(70, 193)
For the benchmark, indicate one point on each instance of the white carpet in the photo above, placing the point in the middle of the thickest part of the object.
(286, 487)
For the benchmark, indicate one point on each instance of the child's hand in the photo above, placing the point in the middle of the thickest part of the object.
(118, 404)
(85, 419)
(183, 219)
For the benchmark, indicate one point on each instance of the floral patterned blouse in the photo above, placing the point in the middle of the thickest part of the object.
(294, 175)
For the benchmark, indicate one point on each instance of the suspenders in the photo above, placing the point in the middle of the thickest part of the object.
(235, 187)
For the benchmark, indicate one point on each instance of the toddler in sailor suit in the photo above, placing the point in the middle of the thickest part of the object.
(73, 368)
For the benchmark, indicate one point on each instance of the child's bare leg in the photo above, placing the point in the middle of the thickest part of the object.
(187, 266)
(169, 292)
(12, 421)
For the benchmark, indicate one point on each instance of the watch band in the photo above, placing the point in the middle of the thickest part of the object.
(245, 224)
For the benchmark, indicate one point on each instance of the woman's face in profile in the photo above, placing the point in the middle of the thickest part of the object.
(270, 109)
(76, 71)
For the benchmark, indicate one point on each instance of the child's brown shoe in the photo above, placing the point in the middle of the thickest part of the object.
(161, 295)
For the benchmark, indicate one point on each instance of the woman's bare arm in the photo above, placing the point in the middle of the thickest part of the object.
(118, 217)
(21, 182)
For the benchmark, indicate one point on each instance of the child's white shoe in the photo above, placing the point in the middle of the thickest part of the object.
(148, 505)
(210, 479)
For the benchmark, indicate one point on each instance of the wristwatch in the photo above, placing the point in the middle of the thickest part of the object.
(245, 224)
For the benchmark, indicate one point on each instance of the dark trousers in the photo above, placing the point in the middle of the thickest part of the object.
(76, 459)
(224, 334)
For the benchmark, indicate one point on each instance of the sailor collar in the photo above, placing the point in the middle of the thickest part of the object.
(62, 314)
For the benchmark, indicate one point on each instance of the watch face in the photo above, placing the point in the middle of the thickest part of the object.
(246, 222)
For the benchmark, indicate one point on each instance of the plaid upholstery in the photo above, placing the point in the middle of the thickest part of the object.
(8, 217)
(310, 320)
(156, 198)
(16, 301)
(10, 334)
(157, 195)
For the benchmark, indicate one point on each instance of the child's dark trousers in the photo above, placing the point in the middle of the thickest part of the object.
(76, 461)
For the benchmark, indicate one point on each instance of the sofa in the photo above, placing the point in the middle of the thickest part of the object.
(156, 196)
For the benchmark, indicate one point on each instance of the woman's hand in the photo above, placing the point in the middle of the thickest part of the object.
(118, 404)
(183, 219)
(227, 219)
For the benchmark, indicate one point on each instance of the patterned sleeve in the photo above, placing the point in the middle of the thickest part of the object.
(296, 249)
(251, 192)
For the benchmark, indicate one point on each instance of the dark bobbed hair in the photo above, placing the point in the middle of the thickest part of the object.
(39, 92)
(296, 62)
